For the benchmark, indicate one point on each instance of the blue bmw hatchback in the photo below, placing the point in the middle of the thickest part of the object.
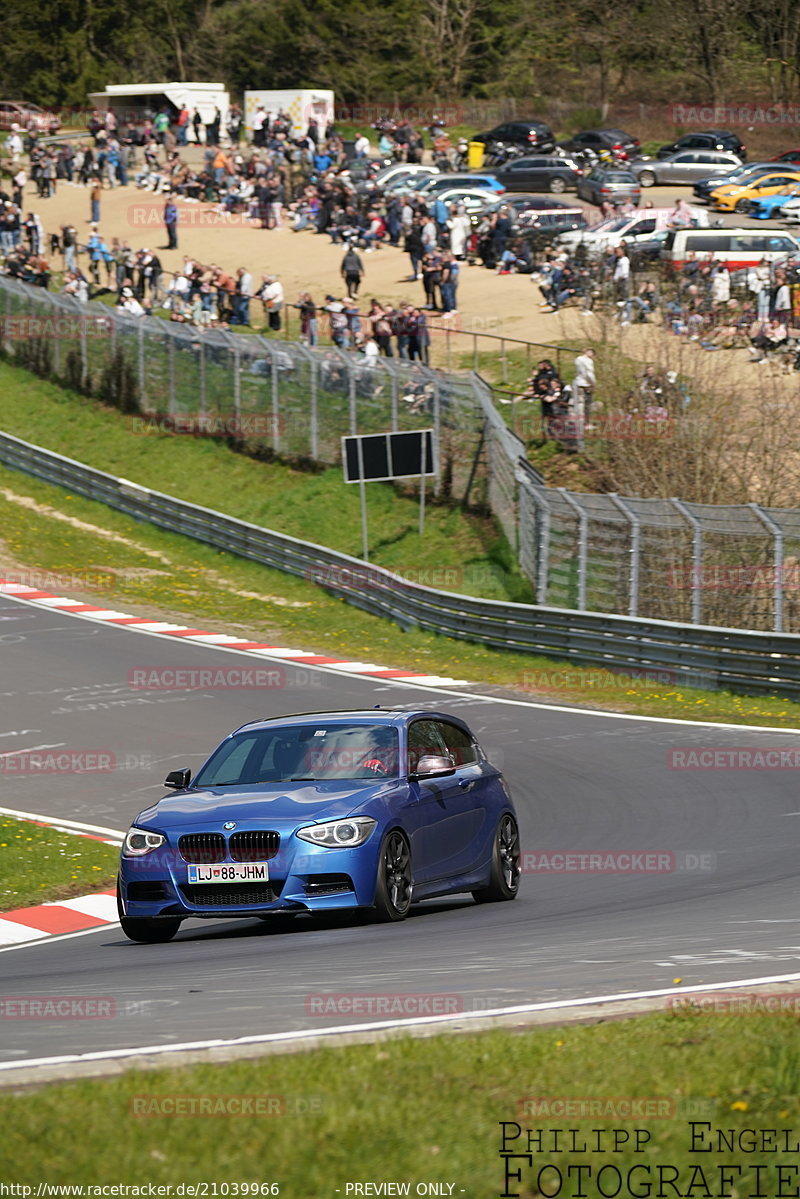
(332, 810)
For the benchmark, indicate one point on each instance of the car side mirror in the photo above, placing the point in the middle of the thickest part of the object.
(433, 766)
(178, 779)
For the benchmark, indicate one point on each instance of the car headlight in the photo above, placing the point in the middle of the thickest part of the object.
(339, 834)
(139, 841)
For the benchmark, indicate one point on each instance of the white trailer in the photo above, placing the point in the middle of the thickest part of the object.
(131, 99)
(300, 103)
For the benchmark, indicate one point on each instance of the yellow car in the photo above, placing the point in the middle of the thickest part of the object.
(736, 198)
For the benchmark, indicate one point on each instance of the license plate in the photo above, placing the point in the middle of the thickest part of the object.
(238, 872)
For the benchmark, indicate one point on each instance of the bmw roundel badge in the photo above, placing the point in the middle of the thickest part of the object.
(228, 825)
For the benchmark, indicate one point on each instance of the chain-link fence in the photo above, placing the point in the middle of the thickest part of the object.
(736, 566)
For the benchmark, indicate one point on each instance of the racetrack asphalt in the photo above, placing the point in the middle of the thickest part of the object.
(582, 783)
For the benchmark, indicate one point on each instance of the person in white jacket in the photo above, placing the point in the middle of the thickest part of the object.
(583, 387)
(460, 227)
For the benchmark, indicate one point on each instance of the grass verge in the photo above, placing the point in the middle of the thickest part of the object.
(436, 1111)
(39, 865)
(87, 550)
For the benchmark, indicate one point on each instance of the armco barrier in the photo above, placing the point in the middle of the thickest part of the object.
(753, 662)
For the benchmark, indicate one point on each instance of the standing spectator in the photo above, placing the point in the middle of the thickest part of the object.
(431, 277)
(622, 274)
(272, 299)
(161, 125)
(309, 326)
(414, 248)
(183, 126)
(69, 240)
(171, 223)
(783, 301)
(449, 284)
(197, 125)
(244, 293)
(460, 229)
(94, 200)
(361, 147)
(352, 272)
(583, 387)
(721, 287)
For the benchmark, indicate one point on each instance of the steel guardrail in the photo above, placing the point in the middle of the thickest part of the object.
(693, 655)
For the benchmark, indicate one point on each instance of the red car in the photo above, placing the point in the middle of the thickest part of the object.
(787, 156)
(28, 117)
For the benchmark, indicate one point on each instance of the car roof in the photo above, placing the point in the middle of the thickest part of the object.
(387, 716)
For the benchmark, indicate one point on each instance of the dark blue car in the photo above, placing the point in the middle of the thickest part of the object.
(308, 813)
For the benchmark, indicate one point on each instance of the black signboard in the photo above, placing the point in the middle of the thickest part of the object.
(375, 457)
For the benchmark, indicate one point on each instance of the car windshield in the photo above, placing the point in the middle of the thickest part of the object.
(323, 749)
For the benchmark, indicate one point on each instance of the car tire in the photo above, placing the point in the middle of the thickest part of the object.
(143, 930)
(647, 179)
(504, 877)
(558, 186)
(742, 206)
(395, 882)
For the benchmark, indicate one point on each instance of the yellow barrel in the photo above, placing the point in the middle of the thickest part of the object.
(475, 155)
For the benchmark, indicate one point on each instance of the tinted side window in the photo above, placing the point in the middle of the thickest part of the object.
(750, 242)
(705, 243)
(424, 737)
(777, 243)
(459, 744)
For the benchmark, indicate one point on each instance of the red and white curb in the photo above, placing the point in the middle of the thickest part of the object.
(69, 915)
(53, 919)
(257, 648)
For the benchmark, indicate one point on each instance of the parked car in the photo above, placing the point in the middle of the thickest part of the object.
(685, 167)
(597, 238)
(788, 156)
(438, 183)
(29, 117)
(538, 174)
(736, 197)
(474, 200)
(609, 183)
(310, 813)
(748, 170)
(770, 207)
(595, 140)
(541, 212)
(531, 135)
(708, 139)
(738, 248)
(403, 170)
(644, 248)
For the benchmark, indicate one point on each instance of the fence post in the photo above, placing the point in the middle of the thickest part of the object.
(171, 361)
(202, 377)
(437, 437)
(542, 539)
(395, 399)
(777, 560)
(351, 374)
(237, 381)
(635, 553)
(142, 393)
(314, 429)
(276, 407)
(697, 559)
(475, 362)
(503, 360)
(583, 529)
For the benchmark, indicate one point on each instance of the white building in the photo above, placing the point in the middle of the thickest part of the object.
(300, 103)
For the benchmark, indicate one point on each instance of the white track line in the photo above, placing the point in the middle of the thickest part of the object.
(106, 1055)
(410, 684)
(58, 820)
